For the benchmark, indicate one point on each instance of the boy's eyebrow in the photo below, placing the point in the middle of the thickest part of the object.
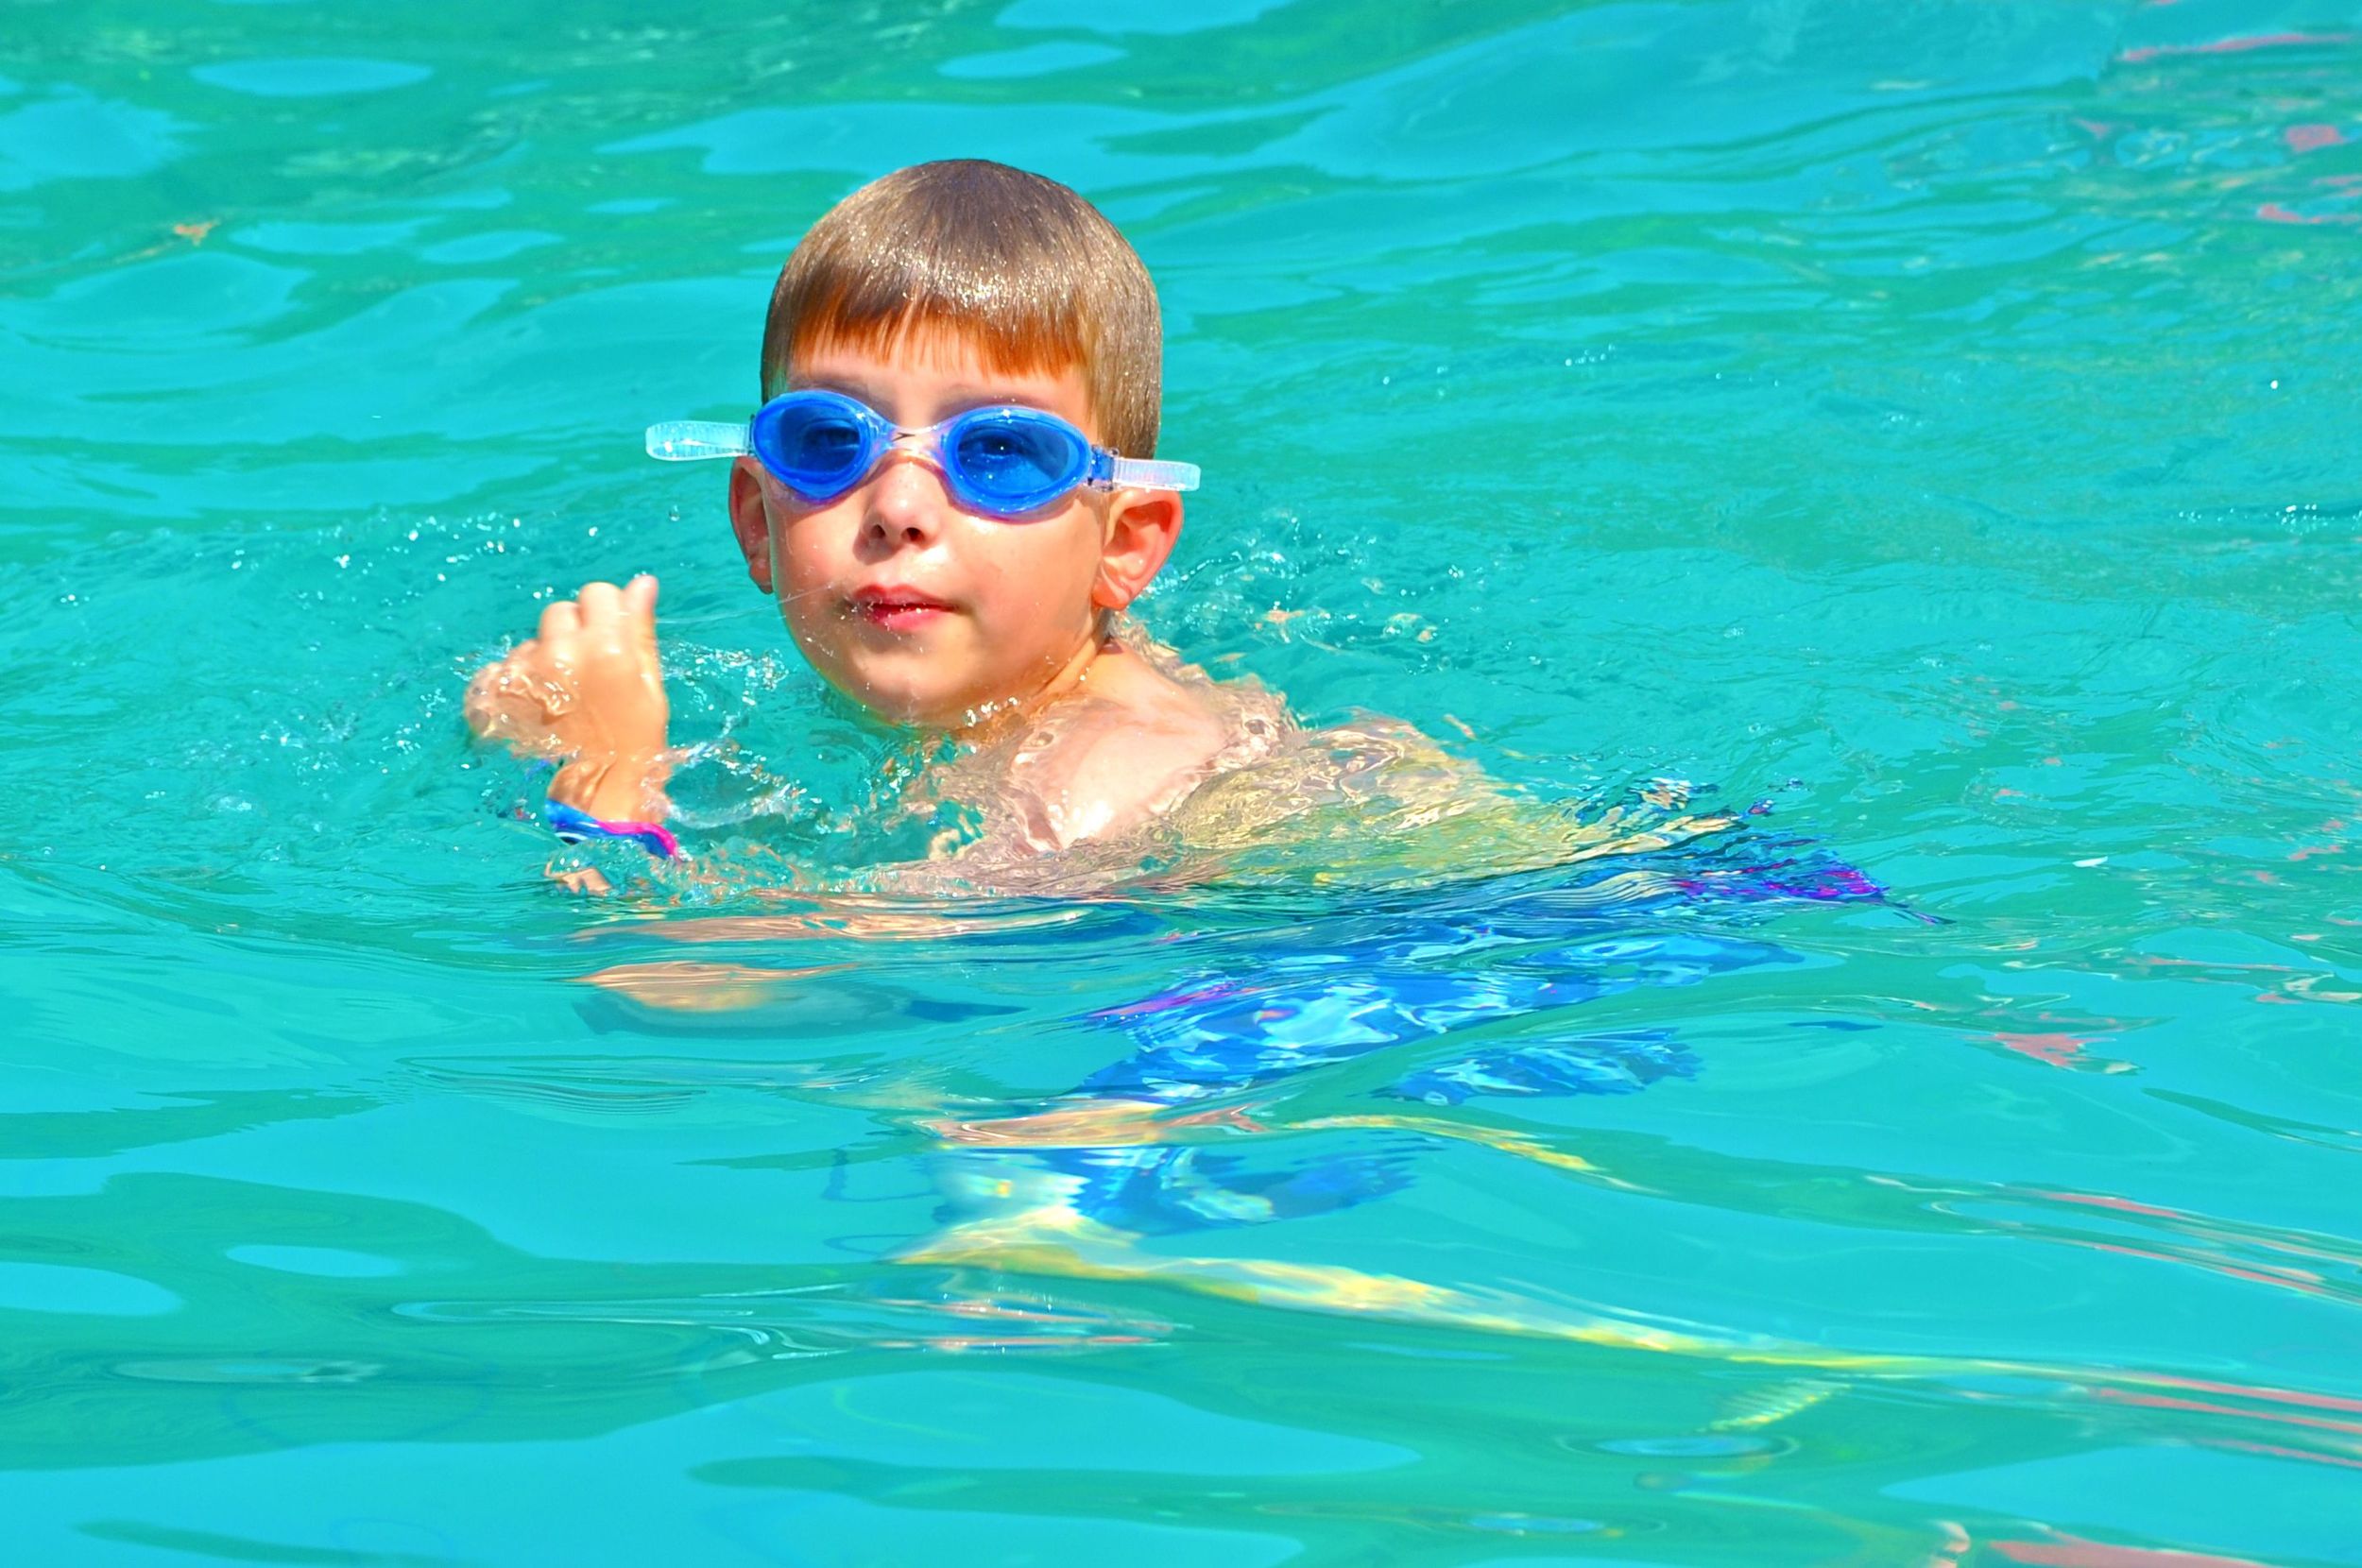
(959, 394)
(975, 395)
(854, 386)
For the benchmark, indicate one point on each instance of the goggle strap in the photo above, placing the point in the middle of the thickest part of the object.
(687, 440)
(1146, 474)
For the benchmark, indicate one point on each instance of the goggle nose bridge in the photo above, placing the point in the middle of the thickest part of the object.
(917, 446)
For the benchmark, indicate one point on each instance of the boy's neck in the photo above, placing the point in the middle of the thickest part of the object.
(1070, 677)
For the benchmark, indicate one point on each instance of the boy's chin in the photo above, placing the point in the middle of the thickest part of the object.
(915, 703)
(922, 687)
(896, 688)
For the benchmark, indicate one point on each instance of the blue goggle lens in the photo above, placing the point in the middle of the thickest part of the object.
(819, 447)
(1012, 460)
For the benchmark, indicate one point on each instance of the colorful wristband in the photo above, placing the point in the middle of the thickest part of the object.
(573, 826)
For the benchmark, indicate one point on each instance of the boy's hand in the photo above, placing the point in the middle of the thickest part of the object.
(585, 687)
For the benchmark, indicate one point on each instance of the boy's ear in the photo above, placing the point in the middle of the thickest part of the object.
(1141, 528)
(749, 521)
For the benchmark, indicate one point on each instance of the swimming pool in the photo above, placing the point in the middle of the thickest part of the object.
(1930, 422)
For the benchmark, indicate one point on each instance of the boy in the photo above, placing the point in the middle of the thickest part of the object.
(940, 550)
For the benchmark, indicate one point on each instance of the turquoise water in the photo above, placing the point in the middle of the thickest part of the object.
(1933, 418)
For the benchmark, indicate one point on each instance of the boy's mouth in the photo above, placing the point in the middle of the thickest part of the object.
(897, 610)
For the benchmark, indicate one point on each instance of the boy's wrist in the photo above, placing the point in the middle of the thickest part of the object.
(613, 789)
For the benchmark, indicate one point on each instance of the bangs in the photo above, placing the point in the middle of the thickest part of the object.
(1011, 328)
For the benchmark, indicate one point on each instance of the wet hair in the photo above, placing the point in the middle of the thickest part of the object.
(1032, 276)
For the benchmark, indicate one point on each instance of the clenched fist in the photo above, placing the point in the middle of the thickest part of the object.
(586, 688)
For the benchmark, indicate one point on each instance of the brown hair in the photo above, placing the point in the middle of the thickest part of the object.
(1032, 275)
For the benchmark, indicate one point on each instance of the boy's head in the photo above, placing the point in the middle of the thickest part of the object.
(936, 290)
(1032, 276)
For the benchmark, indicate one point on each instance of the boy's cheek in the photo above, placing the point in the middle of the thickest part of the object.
(801, 565)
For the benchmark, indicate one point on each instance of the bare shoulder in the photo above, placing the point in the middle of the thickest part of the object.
(1147, 732)
(1129, 750)
(1142, 733)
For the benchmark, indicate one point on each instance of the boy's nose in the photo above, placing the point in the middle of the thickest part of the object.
(906, 499)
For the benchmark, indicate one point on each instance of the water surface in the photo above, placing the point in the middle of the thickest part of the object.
(1930, 422)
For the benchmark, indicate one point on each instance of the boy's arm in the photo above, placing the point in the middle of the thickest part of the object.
(587, 688)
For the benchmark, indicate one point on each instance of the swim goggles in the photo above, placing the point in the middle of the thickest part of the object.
(1002, 460)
